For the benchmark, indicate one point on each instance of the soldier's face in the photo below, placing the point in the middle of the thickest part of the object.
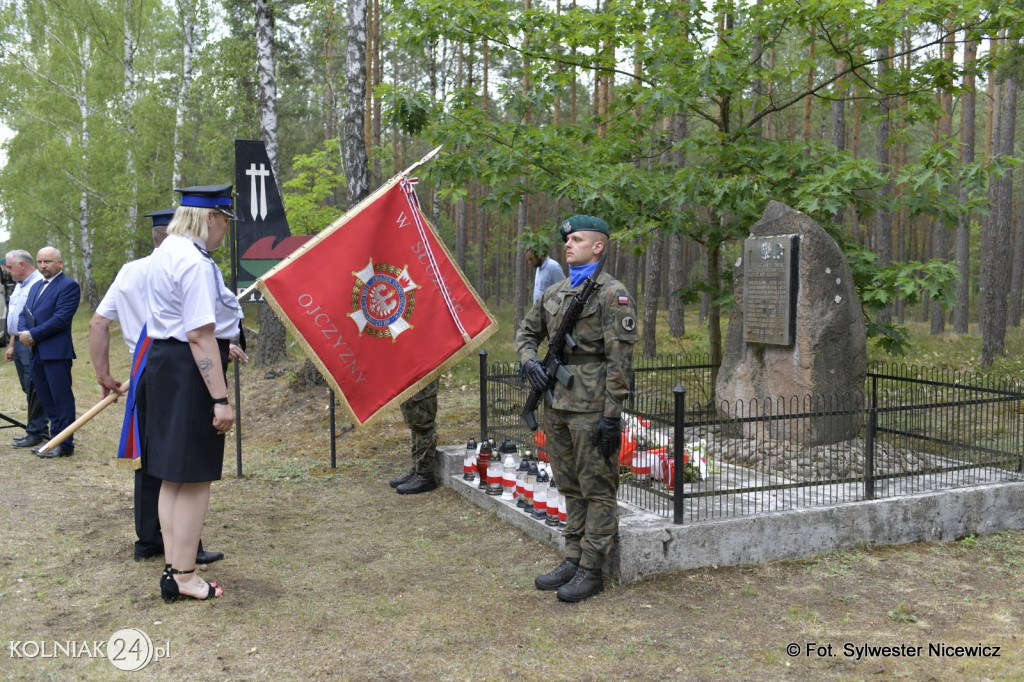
(583, 247)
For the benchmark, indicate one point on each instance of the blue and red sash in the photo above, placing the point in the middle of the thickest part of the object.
(130, 447)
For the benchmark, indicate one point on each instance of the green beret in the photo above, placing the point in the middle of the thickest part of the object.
(580, 223)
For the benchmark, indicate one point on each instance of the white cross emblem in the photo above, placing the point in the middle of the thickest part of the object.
(262, 173)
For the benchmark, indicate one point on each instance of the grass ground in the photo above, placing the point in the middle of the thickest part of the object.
(329, 574)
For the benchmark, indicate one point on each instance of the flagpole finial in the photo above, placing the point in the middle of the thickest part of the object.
(431, 154)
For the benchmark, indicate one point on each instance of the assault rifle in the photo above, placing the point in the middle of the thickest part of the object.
(554, 361)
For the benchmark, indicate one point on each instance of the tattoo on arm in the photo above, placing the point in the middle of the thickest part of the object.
(205, 366)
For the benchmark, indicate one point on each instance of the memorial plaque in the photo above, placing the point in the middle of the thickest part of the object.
(769, 289)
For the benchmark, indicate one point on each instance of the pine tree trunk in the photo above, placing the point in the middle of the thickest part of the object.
(941, 242)
(961, 311)
(996, 237)
(883, 218)
(652, 285)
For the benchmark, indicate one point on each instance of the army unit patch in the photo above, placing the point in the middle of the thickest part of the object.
(628, 324)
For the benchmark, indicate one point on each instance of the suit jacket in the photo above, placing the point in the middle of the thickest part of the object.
(47, 317)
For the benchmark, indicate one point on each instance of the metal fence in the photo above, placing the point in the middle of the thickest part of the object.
(691, 458)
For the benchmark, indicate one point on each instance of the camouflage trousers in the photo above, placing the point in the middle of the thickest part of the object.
(589, 481)
(420, 414)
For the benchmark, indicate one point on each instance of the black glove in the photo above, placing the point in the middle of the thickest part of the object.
(607, 435)
(535, 372)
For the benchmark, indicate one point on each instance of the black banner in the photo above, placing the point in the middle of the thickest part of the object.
(263, 235)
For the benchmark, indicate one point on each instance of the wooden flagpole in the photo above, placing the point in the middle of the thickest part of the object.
(79, 423)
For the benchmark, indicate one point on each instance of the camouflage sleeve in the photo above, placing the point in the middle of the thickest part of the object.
(619, 320)
(532, 331)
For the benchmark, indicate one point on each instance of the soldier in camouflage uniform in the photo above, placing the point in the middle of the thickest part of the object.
(582, 423)
(420, 414)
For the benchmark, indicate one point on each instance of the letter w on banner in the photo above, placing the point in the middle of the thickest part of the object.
(377, 301)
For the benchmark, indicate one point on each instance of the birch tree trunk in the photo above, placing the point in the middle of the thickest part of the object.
(88, 284)
(186, 16)
(271, 346)
(128, 61)
(267, 83)
(357, 170)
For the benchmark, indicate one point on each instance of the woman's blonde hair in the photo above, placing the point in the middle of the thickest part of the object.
(190, 221)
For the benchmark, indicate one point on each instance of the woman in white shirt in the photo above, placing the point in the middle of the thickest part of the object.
(192, 319)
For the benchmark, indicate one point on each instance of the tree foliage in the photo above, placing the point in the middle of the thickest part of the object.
(568, 107)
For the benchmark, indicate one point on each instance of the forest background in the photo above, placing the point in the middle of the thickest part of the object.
(892, 124)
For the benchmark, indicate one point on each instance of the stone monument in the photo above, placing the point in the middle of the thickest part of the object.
(797, 341)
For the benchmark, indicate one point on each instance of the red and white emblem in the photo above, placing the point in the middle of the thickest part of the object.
(383, 298)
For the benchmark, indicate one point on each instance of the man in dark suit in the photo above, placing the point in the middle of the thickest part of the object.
(46, 321)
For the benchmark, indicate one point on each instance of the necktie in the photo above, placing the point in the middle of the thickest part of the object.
(46, 283)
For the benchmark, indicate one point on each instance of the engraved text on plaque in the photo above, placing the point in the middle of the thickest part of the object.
(769, 289)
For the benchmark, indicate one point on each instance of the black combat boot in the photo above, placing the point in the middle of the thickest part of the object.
(558, 577)
(402, 478)
(418, 483)
(585, 584)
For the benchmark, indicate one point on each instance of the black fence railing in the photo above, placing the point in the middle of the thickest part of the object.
(691, 458)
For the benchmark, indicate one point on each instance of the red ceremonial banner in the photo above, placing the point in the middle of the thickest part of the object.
(378, 303)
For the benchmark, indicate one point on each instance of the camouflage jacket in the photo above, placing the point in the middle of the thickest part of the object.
(605, 332)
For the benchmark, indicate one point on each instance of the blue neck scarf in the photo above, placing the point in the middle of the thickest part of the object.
(578, 273)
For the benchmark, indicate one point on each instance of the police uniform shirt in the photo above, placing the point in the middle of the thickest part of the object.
(125, 300)
(18, 299)
(187, 291)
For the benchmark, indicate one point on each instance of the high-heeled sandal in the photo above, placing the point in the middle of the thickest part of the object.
(169, 587)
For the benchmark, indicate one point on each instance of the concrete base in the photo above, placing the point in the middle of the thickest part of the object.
(649, 544)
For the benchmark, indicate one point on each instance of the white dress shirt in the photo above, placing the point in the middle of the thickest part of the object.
(186, 291)
(18, 299)
(126, 300)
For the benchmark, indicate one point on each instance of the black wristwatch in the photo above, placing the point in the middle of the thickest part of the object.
(220, 401)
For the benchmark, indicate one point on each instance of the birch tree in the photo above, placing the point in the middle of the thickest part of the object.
(271, 347)
(357, 171)
(186, 22)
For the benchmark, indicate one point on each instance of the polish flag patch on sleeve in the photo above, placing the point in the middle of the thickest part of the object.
(623, 300)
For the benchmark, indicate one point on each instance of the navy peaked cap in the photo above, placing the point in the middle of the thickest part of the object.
(161, 217)
(208, 196)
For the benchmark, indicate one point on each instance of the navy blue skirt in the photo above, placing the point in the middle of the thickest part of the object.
(179, 443)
